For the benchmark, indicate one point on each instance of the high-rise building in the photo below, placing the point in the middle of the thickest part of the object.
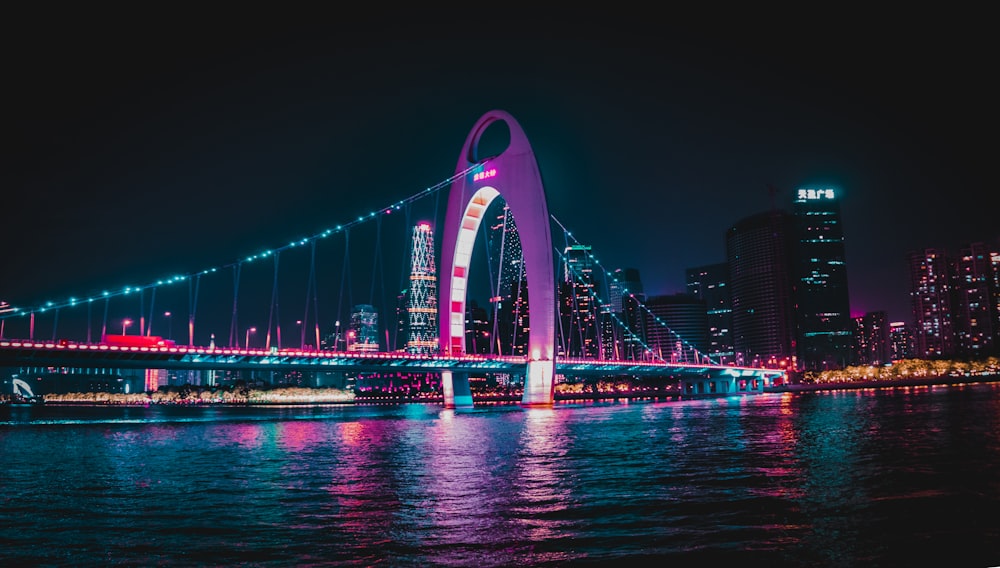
(508, 283)
(578, 303)
(402, 323)
(624, 338)
(824, 327)
(759, 254)
(421, 297)
(634, 317)
(930, 293)
(363, 333)
(676, 328)
(624, 281)
(711, 284)
(871, 339)
(901, 344)
(975, 304)
(956, 301)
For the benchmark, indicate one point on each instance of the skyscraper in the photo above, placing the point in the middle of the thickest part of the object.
(824, 327)
(956, 301)
(975, 302)
(711, 284)
(508, 283)
(421, 297)
(930, 294)
(759, 253)
(578, 305)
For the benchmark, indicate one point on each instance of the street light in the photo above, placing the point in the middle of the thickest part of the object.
(125, 323)
(249, 331)
(170, 327)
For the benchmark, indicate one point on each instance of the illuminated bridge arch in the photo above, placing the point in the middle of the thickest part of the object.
(514, 175)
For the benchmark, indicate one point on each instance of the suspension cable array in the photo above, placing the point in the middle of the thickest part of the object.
(236, 266)
(642, 306)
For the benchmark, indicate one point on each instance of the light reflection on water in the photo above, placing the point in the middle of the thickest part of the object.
(888, 477)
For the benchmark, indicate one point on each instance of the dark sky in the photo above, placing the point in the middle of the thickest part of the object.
(143, 146)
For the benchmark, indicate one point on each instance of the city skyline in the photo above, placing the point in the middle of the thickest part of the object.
(177, 154)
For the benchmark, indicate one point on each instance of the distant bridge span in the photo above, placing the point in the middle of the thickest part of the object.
(26, 353)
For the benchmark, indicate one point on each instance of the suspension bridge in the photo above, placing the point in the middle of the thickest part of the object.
(553, 327)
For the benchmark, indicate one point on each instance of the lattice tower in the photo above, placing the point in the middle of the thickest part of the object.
(421, 305)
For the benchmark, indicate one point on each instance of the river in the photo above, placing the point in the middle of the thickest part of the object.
(906, 476)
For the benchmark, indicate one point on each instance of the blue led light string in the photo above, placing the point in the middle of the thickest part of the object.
(646, 348)
(13, 311)
(656, 319)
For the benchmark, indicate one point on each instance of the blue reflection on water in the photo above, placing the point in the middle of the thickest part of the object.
(812, 479)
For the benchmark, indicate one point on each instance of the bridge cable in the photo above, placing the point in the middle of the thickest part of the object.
(152, 302)
(494, 290)
(696, 353)
(646, 348)
(344, 278)
(305, 314)
(192, 307)
(237, 265)
(404, 287)
(104, 324)
(236, 292)
(274, 306)
(315, 288)
(381, 281)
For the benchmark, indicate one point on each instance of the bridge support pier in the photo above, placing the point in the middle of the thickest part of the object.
(539, 385)
(457, 393)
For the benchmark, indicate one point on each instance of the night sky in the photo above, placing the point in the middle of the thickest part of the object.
(142, 147)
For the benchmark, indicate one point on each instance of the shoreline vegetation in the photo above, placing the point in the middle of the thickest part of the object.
(906, 373)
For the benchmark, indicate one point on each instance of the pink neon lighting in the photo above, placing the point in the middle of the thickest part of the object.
(485, 174)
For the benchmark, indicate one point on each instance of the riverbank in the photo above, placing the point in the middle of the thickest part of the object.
(883, 383)
(300, 396)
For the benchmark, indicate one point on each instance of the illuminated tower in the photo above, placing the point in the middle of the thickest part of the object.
(421, 304)
(825, 329)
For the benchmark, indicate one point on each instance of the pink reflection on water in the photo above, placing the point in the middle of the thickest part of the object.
(364, 502)
(543, 479)
(300, 435)
(780, 447)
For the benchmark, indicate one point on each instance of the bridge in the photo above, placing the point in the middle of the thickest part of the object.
(438, 322)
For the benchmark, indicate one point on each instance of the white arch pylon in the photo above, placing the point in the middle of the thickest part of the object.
(514, 175)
